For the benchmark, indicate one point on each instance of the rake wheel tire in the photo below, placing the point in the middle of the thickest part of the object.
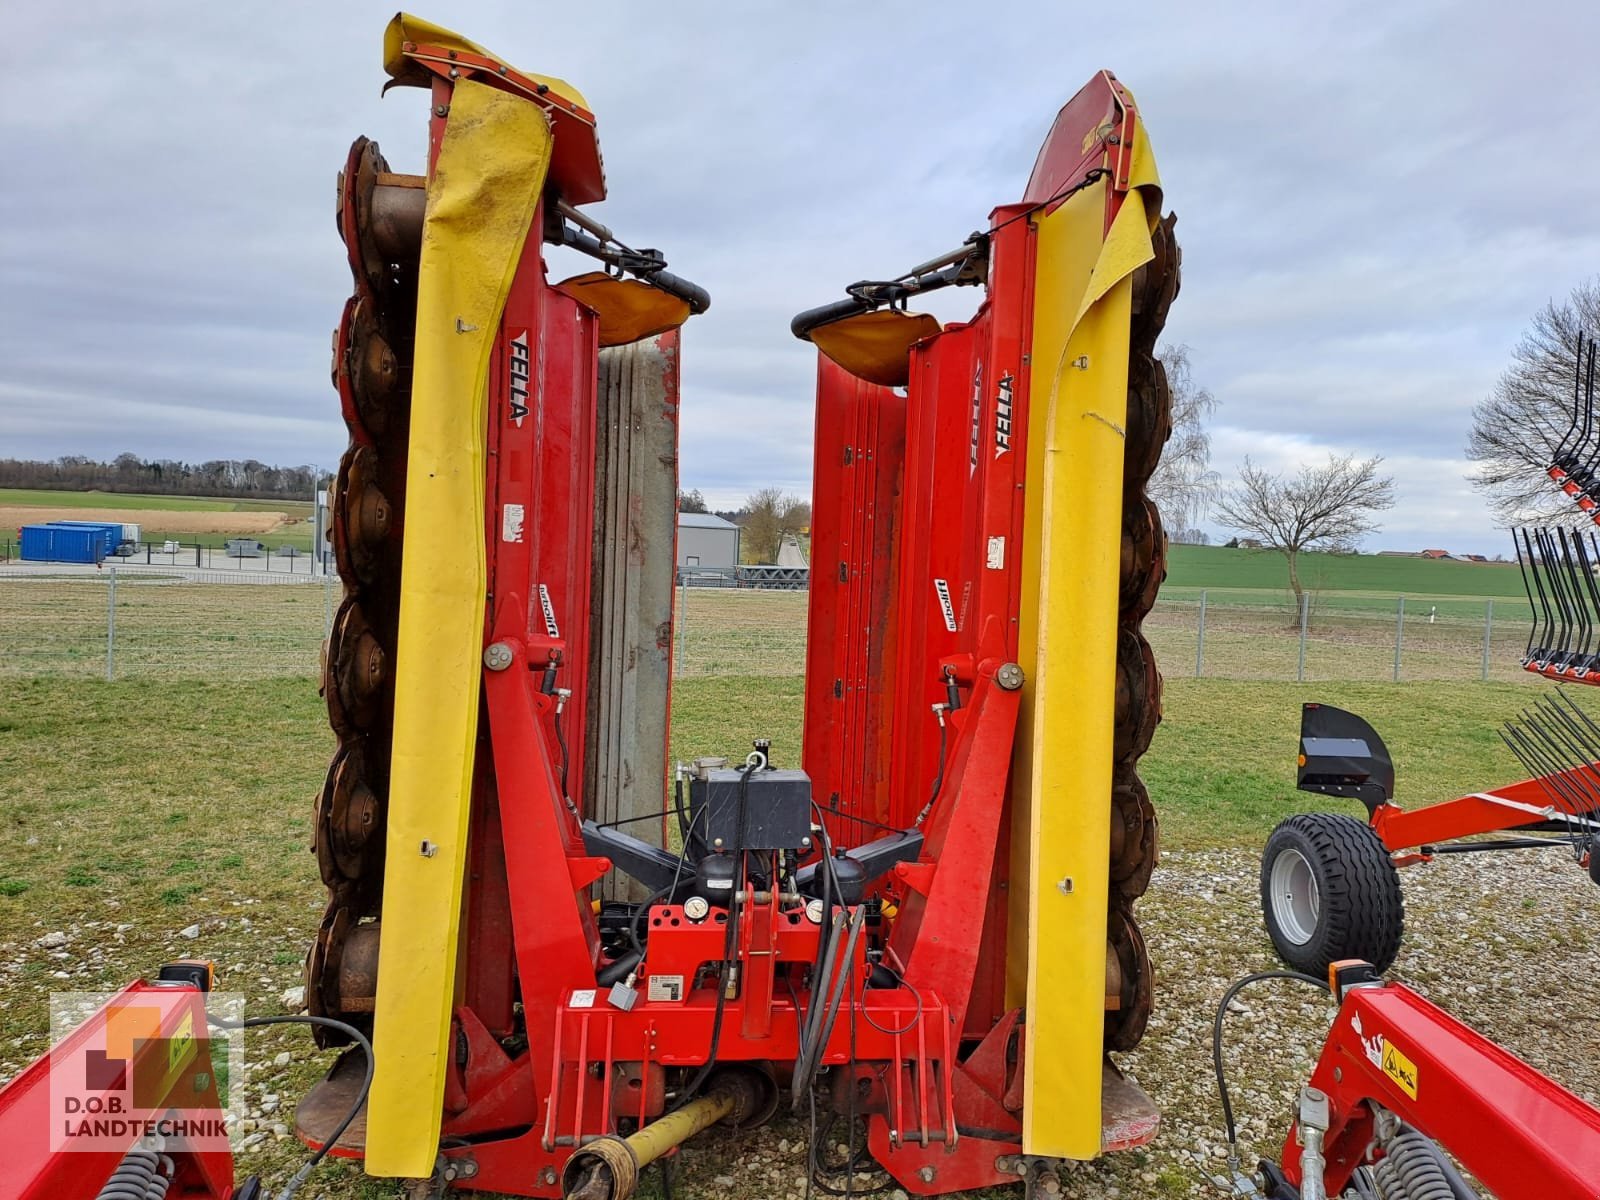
(1329, 891)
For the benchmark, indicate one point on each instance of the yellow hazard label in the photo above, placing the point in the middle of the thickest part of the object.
(1399, 1068)
(181, 1044)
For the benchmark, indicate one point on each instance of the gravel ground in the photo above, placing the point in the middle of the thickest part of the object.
(1506, 942)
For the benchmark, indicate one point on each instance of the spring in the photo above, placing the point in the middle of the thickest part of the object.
(1411, 1170)
(141, 1175)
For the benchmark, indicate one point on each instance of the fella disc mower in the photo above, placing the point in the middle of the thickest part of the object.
(924, 929)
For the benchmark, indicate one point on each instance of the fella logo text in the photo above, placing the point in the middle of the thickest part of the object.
(521, 372)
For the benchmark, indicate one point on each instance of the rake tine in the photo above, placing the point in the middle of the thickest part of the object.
(1550, 769)
(1581, 713)
(1543, 625)
(1559, 459)
(1567, 731)
(1572, 561)
(1591, 589)
(1536, 759)
(1560, 642)
(1583, 471)
(1559, 754)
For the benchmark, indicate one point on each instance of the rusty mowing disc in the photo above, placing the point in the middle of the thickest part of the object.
(361, 515)
(355, 670)
(373, 369)
(1125, 1023)
(322, 971)
(348, 814)
(1155, 285)
(1149, 420)
(358, 188)
(1133, 834)
(1138, 700)
(1144, 556)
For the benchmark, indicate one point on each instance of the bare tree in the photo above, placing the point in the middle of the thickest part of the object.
(1327, 507)
(691, 502)
(768, 515)
(1184, 479)
(1515, 429)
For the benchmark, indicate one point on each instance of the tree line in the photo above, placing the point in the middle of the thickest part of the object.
(230, 478)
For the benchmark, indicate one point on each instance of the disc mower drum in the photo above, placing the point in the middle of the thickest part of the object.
(1329, 891)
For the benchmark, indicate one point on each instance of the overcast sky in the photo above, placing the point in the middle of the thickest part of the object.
(1373, 199)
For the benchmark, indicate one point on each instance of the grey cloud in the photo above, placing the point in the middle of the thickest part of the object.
(1373, 199)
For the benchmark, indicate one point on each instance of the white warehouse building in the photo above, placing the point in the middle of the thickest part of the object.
(707, 542)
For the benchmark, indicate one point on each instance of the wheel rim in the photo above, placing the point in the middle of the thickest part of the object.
(1295, 902)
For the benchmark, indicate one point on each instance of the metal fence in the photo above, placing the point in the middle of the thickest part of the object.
(118, 623)
(138, 621)
(241, 555)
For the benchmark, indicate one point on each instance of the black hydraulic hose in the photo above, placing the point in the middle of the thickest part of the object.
(355, 1035)
(643, 910)
(730, 939)
(1216, 1040)
(644, 265)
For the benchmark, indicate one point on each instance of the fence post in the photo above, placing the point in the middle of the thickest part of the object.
(1200, 639)
(1488, 633)
(1305, 608)
(111, 625)
(683, 623)
(1399, 634)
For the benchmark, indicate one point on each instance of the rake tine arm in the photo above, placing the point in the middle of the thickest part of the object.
(1548, 772)
(1559, 638)
(1544, 620)
(1511, 736)
(1558, 754)
(1561, 453)
(1527, 586)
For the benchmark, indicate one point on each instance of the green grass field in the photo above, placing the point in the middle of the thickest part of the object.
(39, 498)
(134, 811)
(181, 794)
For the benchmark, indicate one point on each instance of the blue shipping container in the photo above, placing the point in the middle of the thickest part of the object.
(110, 532)
(57, 543)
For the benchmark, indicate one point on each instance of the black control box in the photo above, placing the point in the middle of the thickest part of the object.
(777, 809)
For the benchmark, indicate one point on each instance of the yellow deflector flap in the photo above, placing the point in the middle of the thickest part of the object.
(407, 28)
(481, 200)
(875, 346)
(1072, 539)
(627, 309)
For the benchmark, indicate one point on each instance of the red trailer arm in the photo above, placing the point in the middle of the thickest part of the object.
(1520, 1133)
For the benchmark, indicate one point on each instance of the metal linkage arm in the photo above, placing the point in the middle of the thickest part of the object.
(1520, 1133)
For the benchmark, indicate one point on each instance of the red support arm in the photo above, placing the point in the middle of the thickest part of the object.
(1520, 1133)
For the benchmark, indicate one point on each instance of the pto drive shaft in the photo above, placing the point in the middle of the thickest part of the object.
(608, 1168)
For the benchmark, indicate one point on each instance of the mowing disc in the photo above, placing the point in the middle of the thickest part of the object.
(1144, 556)
(1149, 419)
(1133, 835)
(1138, 695)
(347, 817)
(355, 671)
(1125, 944)
(361, 515)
